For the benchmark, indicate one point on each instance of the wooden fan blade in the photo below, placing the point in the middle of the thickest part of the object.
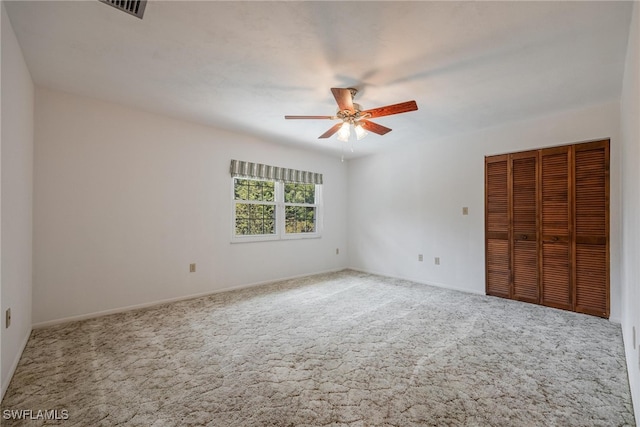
(343, 98)
(403, 107)
(335, 128)
(309, 117)
(374, 127)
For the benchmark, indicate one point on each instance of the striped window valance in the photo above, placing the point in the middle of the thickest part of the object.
(273, 173)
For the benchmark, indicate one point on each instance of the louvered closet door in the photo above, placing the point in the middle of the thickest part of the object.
(524, 244)
(592, 228)
(497, 226)
(555, 207)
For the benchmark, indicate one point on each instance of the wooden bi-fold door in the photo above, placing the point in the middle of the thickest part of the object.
(591, 228)
(555, 256)
(547, 227)
(524, 224)
(497, 218)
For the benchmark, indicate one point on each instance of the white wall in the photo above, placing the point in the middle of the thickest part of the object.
(630, 135)
(408, 202)
(126, 200)
(17, 199)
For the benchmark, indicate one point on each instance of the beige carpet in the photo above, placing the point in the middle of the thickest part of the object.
(342, 349)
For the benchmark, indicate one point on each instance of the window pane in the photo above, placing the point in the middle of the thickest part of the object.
(250, 189)
(242, 210)
(252, 219)
(299, 193)
(242, 226)
(300, 219)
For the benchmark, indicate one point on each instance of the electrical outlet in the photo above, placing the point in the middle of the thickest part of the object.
(192, 268)
(420, 257)
(337, 251)
(7, 318)
(437, 260)
(465, 211)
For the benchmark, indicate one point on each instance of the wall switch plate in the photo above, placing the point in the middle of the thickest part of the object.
(192, 268)
(465, 211)
(420, 257)
(437, 260)
(337, 251)
(7, 318)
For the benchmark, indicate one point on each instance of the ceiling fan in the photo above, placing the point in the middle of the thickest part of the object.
(352, 114)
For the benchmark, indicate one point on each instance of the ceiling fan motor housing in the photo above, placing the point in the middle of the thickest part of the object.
(349, 116)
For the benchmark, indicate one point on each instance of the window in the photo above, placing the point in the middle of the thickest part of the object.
(274, 203)
(270, 210)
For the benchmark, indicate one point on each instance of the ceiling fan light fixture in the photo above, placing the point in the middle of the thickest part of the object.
(360, 132)
(345, 132)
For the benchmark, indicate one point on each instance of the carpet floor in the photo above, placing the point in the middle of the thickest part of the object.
(339, 349)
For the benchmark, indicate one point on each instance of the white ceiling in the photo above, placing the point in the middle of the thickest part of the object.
(244, 65)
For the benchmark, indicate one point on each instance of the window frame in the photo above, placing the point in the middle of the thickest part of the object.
(280, 209)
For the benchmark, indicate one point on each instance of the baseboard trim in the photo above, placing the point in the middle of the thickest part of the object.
(422, 282)
(101, 313)
(14, 365)
(631, 358)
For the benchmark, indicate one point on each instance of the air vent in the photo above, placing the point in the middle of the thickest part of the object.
(132, 7)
